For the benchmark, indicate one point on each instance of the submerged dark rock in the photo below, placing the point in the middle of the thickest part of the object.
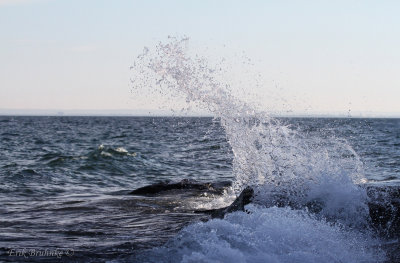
(384, 209)
(215, 188)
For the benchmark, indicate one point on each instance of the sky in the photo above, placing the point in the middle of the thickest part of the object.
(317, 57)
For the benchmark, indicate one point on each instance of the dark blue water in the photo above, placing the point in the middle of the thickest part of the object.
(65, 180)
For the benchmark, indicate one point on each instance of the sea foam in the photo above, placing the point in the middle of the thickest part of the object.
(266, 235)
(279, 162)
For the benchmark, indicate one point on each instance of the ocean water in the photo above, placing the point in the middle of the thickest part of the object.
(66, 181)
(65, 185)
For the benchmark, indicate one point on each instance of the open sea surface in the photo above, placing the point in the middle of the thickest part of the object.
(65, 184)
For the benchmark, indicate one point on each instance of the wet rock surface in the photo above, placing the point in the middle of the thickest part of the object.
(384, 210)
(215, 188)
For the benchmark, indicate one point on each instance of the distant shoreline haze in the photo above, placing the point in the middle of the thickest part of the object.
(166, 113)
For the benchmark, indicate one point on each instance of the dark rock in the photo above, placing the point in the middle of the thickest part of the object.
(216, 188)
(384, 209)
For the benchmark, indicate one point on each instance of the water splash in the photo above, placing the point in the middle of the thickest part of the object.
(270, 156)
(284, 165)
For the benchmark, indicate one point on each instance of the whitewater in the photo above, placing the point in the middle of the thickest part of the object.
(324, 216)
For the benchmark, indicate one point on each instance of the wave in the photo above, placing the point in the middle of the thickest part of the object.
(278, 161)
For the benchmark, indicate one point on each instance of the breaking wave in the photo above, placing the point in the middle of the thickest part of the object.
(318, 177)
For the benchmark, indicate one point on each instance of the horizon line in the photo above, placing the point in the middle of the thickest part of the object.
(171, 113)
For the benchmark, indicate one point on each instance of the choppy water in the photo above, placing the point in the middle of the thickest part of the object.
(65, 179)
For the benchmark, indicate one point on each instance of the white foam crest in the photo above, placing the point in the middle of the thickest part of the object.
(121, 150)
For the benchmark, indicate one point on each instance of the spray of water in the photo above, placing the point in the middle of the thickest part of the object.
(271, 157)
(282, 164)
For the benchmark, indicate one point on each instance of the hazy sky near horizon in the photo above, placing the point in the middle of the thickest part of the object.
(317, 56)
